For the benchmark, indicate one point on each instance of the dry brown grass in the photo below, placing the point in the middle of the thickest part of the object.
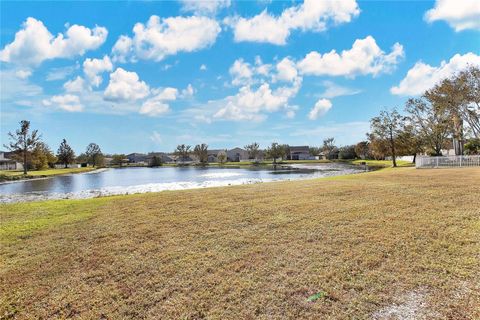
(370, 241)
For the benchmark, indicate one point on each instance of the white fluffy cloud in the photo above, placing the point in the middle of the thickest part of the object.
(67, 102)
(251, 104)
(125, 86)
(423, 76)
(76, 85)
(123, 49)
(263, 89)
(459, 14)
(365, 57)
(319, 109)
(241, 72)
(94, 67)
(286, 70)
(159, 38)
(157, 105)
(312, 15)
(34, 43)
(244, 73)
(204, 6)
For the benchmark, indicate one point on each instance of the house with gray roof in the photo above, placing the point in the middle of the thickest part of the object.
(237, 155)
(300, 153)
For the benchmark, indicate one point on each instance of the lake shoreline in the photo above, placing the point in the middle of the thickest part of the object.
(208, 180)
(8, 177)
(5, 176)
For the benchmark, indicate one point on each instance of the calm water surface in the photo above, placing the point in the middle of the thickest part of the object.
(140, 180)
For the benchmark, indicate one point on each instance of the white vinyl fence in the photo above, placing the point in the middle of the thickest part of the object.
(448, 161)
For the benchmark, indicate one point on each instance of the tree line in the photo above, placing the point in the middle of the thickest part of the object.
(27, 147)
(273, 152)
(443, 117)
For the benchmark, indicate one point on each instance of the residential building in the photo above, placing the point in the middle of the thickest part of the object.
(139, 158)
(9, 164)
(213, 154)
(237, 155)
(300, 153)
(71, 165)
(165, 158)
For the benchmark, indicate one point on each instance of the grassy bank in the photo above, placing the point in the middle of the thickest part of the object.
(378, 245)
(7, 175)
(382, 163)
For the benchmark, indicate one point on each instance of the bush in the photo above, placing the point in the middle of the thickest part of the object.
(155, 162)
(347, 152)
(472, 147)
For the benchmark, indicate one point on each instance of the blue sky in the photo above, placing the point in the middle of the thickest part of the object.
(144, 76)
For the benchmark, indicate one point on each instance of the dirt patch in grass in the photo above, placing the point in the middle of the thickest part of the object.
(366, 242)
(412, 306)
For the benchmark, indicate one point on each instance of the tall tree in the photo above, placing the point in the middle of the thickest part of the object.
(314, 151)
(182, 151)
(274, 152)
(94, 154)
(377, 147)
(410, 142)
(470, 109)
(347, 152)
(285, 151)
(449, 96)
(329, 147)
(65, 154)
(82, 158)
(253, 150)
(201, 151)
(361, 149)
(42, 156)
(432, 124)
(22, 141)
(388, 126)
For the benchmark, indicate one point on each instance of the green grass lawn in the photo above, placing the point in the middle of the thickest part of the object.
(18, 175)
(377, 163)
(384, 163)
(249, 163)
(380, 245)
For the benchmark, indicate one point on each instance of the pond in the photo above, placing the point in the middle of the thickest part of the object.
(118, 181)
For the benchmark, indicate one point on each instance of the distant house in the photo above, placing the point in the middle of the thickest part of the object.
(237, 155)
(107, 160)
(71, 165)
(213, 154)
(165, 158)
(139, 158)
(9, 164)
(300, 153)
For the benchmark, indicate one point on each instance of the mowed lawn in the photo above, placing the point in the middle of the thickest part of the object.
(18, 175)
(393, 244)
